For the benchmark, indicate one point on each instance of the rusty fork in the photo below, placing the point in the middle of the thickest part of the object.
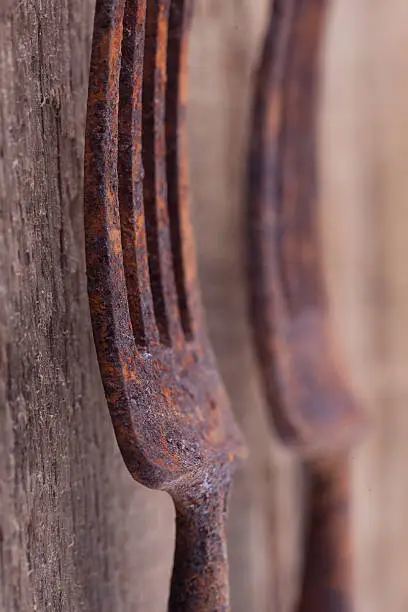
(170, 412)
(310, 401)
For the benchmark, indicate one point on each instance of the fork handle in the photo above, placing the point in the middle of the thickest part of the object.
(200, 571)
(327, 578)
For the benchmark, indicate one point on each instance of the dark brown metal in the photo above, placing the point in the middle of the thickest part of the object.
(328, 564)
(169, 409)
(310, 401)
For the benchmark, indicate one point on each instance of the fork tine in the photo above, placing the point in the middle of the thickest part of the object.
(130, 170)
(111, 322)
(162, 276)
(182, 239)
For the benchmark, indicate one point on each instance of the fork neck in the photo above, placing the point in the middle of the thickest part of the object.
(200, 571)
(328, 564)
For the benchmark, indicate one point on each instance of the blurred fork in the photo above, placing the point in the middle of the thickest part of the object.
(308, 394)
(170, 412)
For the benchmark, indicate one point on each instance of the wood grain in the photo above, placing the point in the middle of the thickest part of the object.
(364, 214)
(76, 533)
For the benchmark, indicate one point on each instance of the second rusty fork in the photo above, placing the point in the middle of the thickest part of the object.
(310, 401)
(170, 412)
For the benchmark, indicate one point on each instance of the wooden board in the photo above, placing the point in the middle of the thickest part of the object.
(364, 214)
(76, 533)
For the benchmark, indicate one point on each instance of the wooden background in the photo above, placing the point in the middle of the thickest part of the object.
(76, 534)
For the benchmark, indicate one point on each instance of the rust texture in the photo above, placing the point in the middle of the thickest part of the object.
(311, 405)
(169, 408)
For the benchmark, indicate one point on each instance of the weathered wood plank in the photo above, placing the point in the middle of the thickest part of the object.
(75, 532)
(365, 213)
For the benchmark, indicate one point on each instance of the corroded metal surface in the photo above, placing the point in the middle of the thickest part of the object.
(170, 412)
(310, 401)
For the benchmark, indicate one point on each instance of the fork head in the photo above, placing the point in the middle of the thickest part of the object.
(308, 393)
(170, 411)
